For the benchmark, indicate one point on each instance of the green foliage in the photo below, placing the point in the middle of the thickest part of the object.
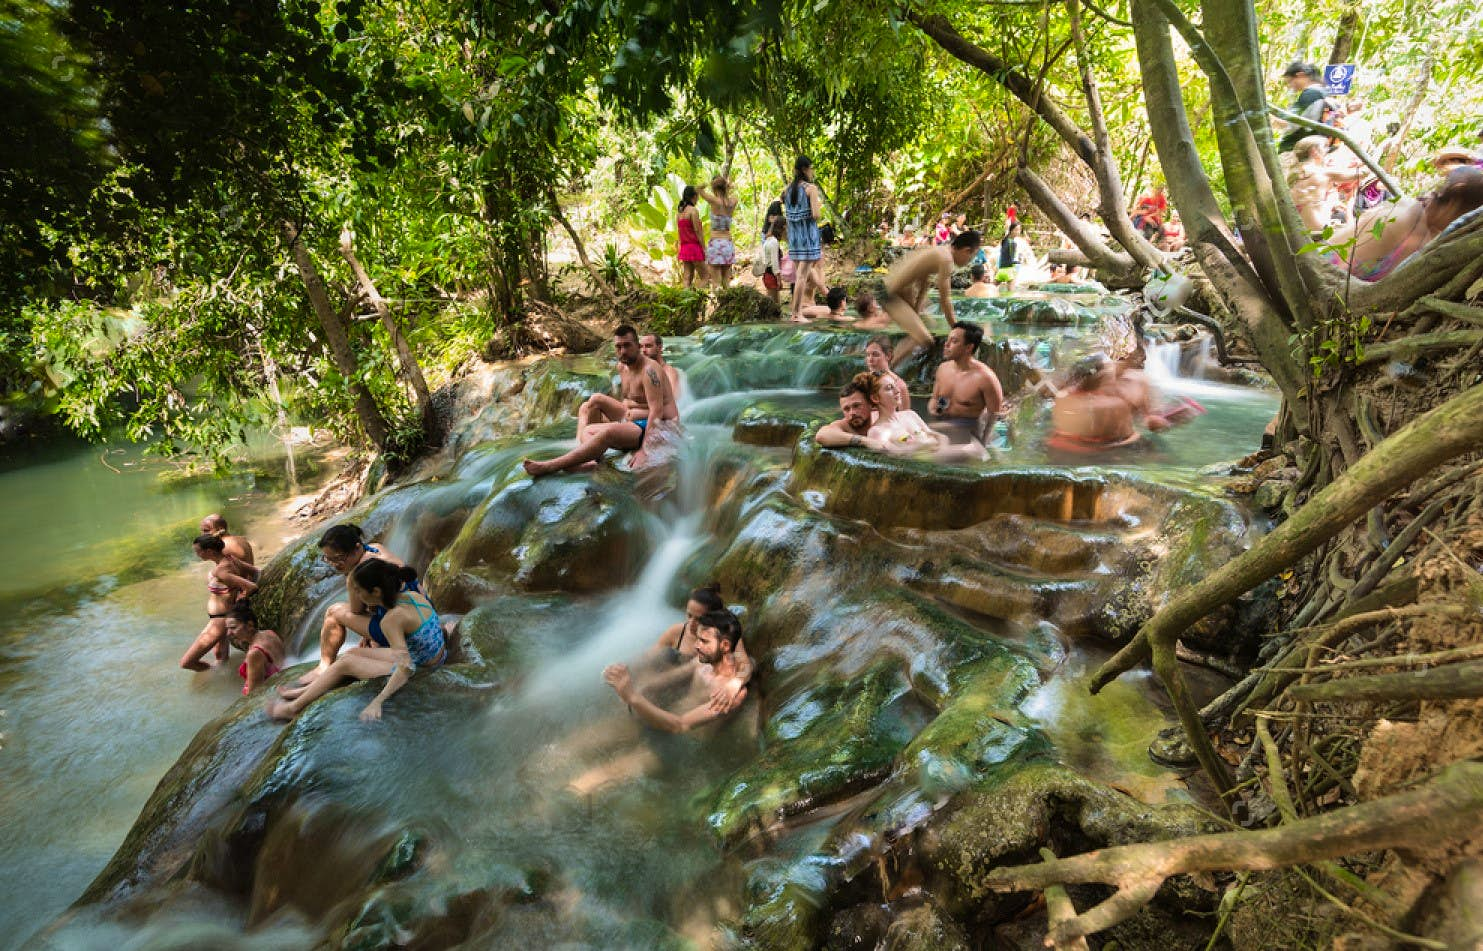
(615, 269)
(673, 311)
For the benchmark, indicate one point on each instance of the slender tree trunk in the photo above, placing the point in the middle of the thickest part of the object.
(592, 271)
(406, 359)
(280, 415)
(1349, 23)
(1418, 96)
(337, 339)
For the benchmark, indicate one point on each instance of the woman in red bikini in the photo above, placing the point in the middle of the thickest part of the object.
(264, 649)
(228, 582)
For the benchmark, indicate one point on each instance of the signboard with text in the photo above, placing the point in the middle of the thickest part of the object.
(1338, 78)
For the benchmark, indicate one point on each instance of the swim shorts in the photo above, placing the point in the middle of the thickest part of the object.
(720, 252)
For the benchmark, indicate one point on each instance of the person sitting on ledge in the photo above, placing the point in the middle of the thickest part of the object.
(966, 395)
(853, 430)
(983, 285)
(408, 635)
(717, 634)
(872, 315)
(878, 359)
(1089, 415)
(652, 346)
(344, 548)
(264, 650)
(604, 422)
(832, 309)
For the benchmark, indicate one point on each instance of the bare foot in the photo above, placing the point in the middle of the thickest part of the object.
(584, 467)
(292, 692)
(905, 350)
(279, 710)
(536, 469)
(799, 319)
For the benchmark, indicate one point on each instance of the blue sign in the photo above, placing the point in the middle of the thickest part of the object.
(1338, 78)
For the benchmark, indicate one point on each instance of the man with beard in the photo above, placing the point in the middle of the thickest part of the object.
(717, 635)
(966, 395)
(605, 422)
(854, 406)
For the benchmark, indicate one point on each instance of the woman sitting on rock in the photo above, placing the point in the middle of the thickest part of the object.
(405, 627)
(228, 582)
(264, 650)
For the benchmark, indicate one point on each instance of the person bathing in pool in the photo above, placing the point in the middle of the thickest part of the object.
(717, 635)
(877, 359)
(264, 651)
(228, 582)
(966, 395)
(911, 277)
(605, 422)
(1090, 416)
(344, 548)
(678, 645)
(407, 632)
(236, 545)
(831, 309)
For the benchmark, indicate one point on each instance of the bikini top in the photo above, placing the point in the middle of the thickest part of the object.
(720, 222)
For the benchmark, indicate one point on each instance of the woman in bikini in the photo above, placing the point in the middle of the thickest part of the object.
(407, 632)
(264, 650)
(720, 250)
(228, 582)
(1385, 236)
(678, 642)
(899, 430)
(878, 360)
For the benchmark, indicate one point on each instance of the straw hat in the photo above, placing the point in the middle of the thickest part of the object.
(1454, 153)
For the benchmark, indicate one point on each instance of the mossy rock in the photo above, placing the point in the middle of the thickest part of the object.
(741, 304)
(768, 424)
(899, 491)
(1051, 311)
(574, 533)
(924, 928)
(1090, 287)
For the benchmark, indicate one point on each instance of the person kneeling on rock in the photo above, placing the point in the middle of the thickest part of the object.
(717, 634)
(405, 627)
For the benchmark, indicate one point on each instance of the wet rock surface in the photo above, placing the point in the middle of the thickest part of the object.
(907, 620)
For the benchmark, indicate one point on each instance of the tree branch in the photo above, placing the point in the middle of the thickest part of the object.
(1329, 131)
(1083, 235)
(1454, 682)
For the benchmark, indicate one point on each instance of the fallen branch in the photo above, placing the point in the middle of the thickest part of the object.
(1416, 343)
(1453, 682)
(1058, 908)
(1445, 806)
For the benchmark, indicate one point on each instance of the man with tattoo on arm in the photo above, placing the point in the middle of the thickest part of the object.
(854, 406)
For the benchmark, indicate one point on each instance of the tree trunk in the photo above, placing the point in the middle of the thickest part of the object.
(337, 339)
(406, 359)
(592, 271)
(1408, 115)
(1349, 23)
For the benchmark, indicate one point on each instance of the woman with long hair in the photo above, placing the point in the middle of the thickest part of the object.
(692, 252)
(720, 251)
(229, 581)
(802, 204)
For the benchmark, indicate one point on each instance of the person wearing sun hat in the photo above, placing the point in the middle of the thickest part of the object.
(1454, 156)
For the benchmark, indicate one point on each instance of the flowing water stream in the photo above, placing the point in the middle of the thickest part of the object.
(540, 811)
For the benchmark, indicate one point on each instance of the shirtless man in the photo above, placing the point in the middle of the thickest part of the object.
(966, 395)
(1132, 384)
(236, 545)
(854, 406)
(982, 286)
(911, 277)
(717, 634)
(1089, 415)
(872, 315)
(605, 422)
(652, 346)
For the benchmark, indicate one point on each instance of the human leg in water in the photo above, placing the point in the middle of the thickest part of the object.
(361, 663)
(212, 637)
(338, 620)
(624, 437)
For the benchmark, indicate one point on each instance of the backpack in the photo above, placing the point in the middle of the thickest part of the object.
(787, 270)
(759, 262)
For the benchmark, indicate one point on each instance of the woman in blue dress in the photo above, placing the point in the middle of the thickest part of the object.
(802, 204)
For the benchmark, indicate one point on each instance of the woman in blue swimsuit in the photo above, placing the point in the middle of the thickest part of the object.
(407, 632)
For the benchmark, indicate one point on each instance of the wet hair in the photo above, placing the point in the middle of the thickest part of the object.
(243, 613)
(977, 272)
(854, 386)
(1087, 370)
(343, 538)
(973, 334)
(210, 543)
(881, 340)
(865, 302)
(687, 197)
(725, 624)
(217, 522)
(868, 382)
(836, 297)
(795, 188)
(967, 240)
(708, 596)
(625, 330)
(383, 576)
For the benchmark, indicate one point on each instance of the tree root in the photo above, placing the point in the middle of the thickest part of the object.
(1446, 805)
(1420, 446)
(1455, 682)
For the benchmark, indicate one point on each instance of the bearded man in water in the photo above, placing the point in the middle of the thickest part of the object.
(717, 634)
(854, 405)
(911, 277)
(966, 395)
(605, 422)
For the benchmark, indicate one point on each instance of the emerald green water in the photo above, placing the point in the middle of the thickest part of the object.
(100, 595)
